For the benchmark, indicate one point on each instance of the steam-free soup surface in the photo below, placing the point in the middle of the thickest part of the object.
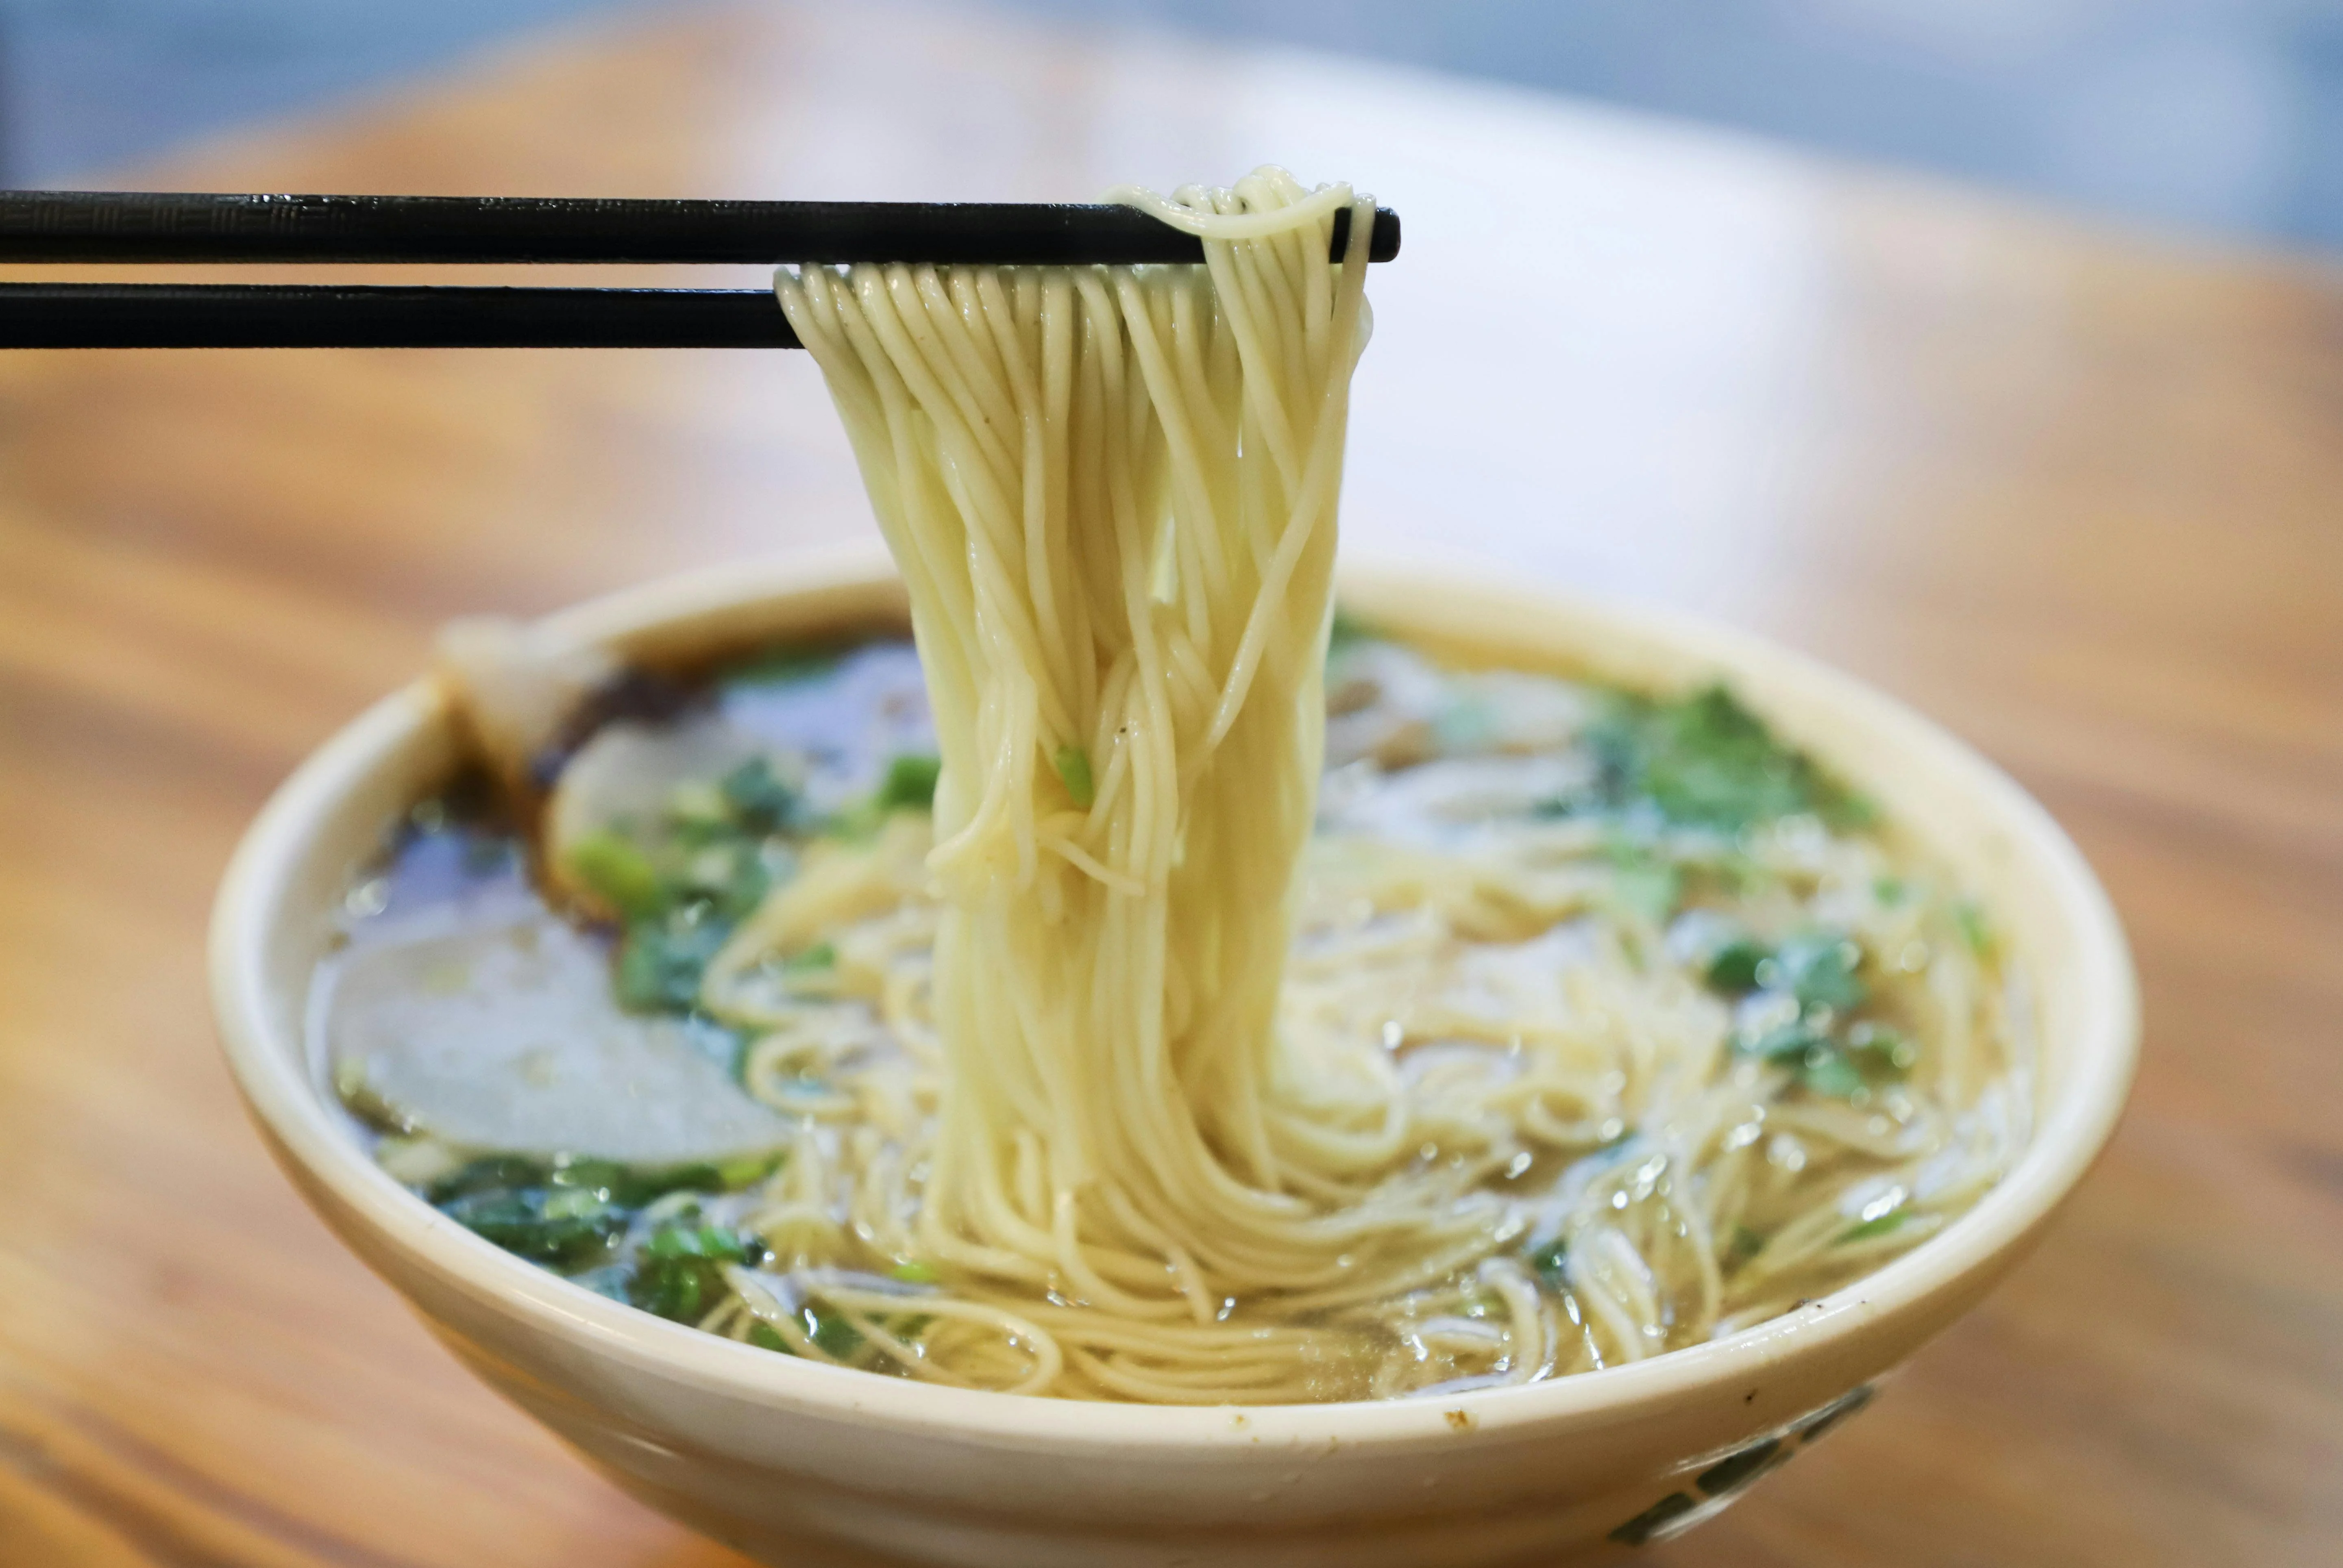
(1661, 1019)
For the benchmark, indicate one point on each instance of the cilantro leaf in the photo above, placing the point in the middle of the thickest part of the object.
(1818, 968)
(760, 800)
(661, 961)
(1705, 760)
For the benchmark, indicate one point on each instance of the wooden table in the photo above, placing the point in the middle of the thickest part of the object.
(2080, 494)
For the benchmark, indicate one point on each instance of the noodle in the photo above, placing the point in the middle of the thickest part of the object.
(1112, 493)
(1118, 1081)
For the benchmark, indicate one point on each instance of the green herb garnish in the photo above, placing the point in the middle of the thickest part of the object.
(1974, 930)
(1814, 1058)
(619, 872)
(832, 1334)
(620, 1185)
(679, 1275)
(784, 666)
(1787, 1043)
(1642, 884)
(661, 961)
(760, 799)
(1828, 1073)
(488, 1172)
(556, 1226)
(910, 783)
(1343, 630)
(730, 874)
(1818, 968)
(1705, 760)
(561, 1212)
(743, 1170)
(1073, 766)
(1880, 1226)
(1881, 1050)
(1733, 968)
(820, 956)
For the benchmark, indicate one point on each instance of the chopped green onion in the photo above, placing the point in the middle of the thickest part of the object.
(619, 872)
(488, 1171)
(1073, 764)
(1974, 928)
(679, 1275)
(910, 783)
(700, 805)
(556, 1228)
(1827, 1071)
(695, 1241)
(1881, 1226)
(1643, 884)
(831, 1333)
(1787, 1043)
(1878, 1047)
(820, 956)
(783, 666)
(745, 1171)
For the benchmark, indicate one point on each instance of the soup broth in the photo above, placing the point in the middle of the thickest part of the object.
(1665, 1026)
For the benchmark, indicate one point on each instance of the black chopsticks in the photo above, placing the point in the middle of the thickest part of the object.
(329, 315)
(141, 227)
(150, 226)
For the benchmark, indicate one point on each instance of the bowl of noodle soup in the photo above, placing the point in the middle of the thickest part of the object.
(798, 1461)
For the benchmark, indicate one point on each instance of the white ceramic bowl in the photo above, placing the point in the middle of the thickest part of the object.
(817, 1467)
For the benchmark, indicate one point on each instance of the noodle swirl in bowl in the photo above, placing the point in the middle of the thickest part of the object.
(1584, 1067)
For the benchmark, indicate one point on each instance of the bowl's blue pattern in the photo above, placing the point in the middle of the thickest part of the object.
(1726, 1480)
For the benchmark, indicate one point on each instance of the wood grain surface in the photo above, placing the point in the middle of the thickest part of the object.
(2078, 494)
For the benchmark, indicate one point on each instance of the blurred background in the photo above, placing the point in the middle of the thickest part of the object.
(2215, 116)
(2065, 483)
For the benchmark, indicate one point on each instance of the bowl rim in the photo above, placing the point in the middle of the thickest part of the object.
(258, 883)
